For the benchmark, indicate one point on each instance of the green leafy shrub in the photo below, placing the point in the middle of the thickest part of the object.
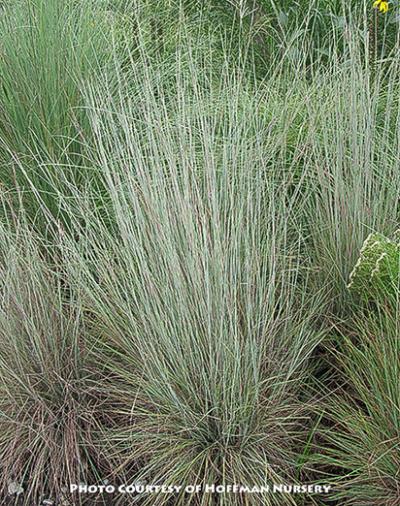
(376, 274)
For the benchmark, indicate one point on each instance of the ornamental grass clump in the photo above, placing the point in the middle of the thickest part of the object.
(194, 298)
(48, 413)
(361, 451)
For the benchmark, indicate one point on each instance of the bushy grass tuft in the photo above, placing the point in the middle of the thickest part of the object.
(48, 410)
(362, 443)
(205, 334)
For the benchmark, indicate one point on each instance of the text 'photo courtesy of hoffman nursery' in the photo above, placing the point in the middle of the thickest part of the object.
(199, 253)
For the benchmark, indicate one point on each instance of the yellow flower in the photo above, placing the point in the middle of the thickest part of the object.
(382, 5)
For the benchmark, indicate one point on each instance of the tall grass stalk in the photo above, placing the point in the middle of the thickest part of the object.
(47, 51)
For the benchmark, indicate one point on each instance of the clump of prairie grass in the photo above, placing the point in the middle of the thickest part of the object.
(361, 443)
(354, 192)
(48, 411)
(352, 167)
(194, 296)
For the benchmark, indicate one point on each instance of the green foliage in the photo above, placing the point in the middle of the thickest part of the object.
(376, 273)
(207, 339)
(362, 441)
(48, 50)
